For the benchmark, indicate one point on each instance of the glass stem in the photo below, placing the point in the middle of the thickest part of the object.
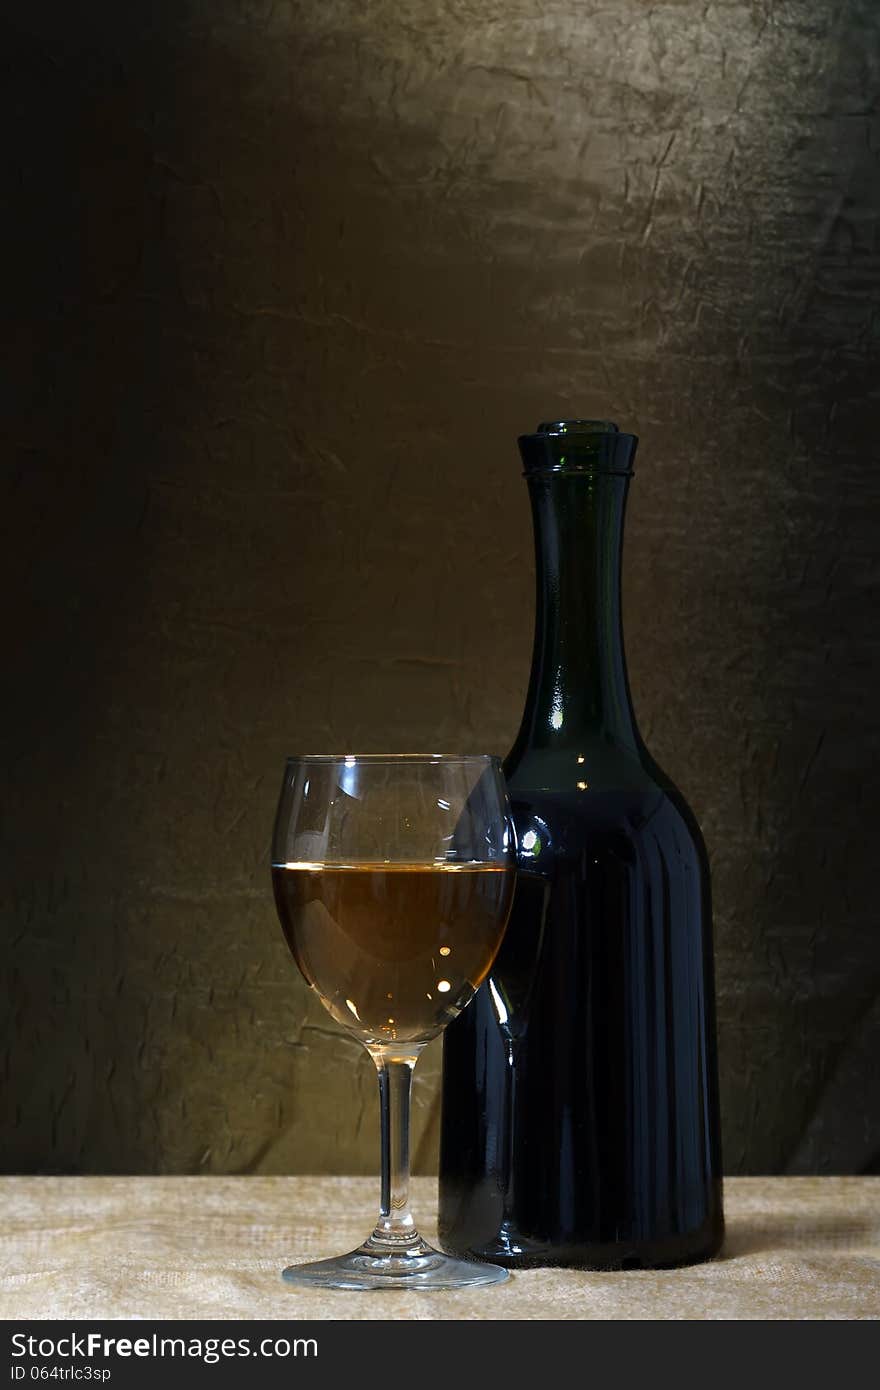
(395, 1227)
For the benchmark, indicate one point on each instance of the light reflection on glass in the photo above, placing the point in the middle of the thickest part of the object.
(349, 777)
(500, 1010)
(556, 714)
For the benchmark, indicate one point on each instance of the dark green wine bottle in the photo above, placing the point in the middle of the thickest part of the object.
(580, 1117)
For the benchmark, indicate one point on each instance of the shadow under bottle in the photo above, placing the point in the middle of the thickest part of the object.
(580, 1117)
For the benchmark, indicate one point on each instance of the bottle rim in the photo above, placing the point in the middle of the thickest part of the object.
(578, 447)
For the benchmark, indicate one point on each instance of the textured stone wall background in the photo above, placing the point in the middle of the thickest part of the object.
(284, 282)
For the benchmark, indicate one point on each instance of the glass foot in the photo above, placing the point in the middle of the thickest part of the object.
(415, 1266)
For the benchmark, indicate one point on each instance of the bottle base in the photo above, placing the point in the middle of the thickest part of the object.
(514, 1251)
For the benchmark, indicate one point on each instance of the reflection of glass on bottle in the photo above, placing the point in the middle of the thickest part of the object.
(580, 1111)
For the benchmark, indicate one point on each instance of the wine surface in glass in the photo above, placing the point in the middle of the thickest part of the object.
(394, 950)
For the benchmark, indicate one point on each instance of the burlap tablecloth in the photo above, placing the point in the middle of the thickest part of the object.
(89, 1248)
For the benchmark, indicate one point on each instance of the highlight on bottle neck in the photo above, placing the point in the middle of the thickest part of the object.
(578, 446)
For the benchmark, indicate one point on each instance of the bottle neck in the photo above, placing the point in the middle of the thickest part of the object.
(578, 692)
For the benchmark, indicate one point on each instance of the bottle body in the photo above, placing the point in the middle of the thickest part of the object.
(580, 1108)
(590, 1134)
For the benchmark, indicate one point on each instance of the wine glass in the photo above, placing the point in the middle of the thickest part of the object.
(393, 879)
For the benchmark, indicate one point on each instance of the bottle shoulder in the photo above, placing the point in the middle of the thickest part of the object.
(563, 803)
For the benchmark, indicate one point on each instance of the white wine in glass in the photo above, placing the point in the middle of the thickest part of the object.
(393, 879)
